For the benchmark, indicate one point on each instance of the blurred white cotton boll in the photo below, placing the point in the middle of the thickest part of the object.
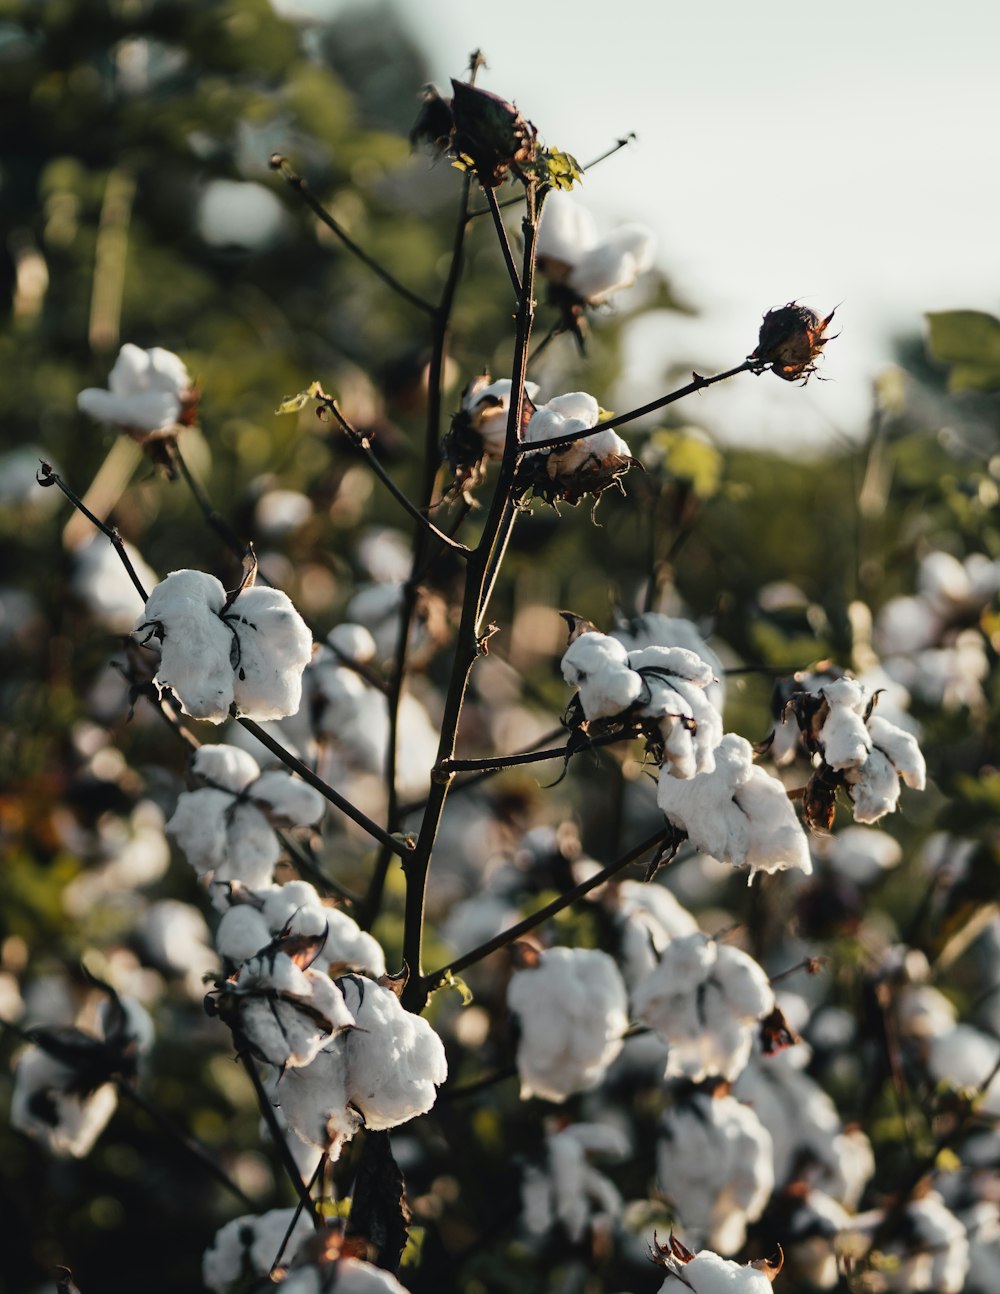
(251, 1243)
(352, 1276)
(572, 1013)
(147, 391)
(571, 252)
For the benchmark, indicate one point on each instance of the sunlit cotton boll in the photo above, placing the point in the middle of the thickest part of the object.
(251, 654)
(346, 1276)
(297, 908)
(567, 1189)
(146, 391)
(935, 1255)
(706, 1000)
(714, 1161)
(378, 1075)
(597, 665)
(571, 252)
(248, 1246)
(708, 1273)
(737, 813)
(572, 1014)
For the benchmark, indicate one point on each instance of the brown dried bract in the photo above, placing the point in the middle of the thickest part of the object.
(791, 340)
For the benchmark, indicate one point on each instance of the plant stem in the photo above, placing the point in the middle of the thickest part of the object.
(190, 1143)
(497, 763)
(278, 1135)
(46, 477)
(392, 843)
(550, 910)
(299, 185)
(317, 1176)
(698, 383)
(508, 257)
(478, 570)
(214, 519)
(364, 446)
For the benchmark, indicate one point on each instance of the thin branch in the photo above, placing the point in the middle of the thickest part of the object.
(300, 186)
(317, 1175)
(508, 256)
(393, 843)
(475, 1085)
(555, 331)
(46, 477)
(499, 762)
(698, 383)
(543, 914)
(364, 446)
(601, 157)
(214, 519)
(190, 1143)
(278, 1136)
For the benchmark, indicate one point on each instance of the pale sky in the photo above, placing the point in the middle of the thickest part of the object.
(839, 154)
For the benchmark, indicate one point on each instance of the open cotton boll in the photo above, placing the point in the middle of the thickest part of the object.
(706, 1001)
(486, 406)
(146, 390)
(287, 1014)
(614, 264)
(714, 1161)
(572, 1012)
(566, 231)
(563, 415)
(934, 1255)
(248, 1246)
(862, 854)
(966, 1057)
(230, 838)
(45, 1105)
(297, 907)
(289, 801)
(737, 813)
(597, 665)
(567, 1189)
(654, 629)
(242, 932)
(252, 654)
(844, 736)
(228, 768)
(708, 1273)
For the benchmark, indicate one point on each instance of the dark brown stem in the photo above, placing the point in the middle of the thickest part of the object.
(392, 843)
(278, 1136)
(508, 256)
(191, 1144)
(698, 383)
(498, 763)
(299, 185)
(508, 936)
(316, 1177)
(363, 445)
(46, 476)
(601, 157)
(215, 520)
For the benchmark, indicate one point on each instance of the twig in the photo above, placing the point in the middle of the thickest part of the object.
(390, 842)
(477, 1084)
(300, 186)
(498, 763)
(537, 918)
(277, 1134)
(698, 383)
(214, 519)
(363, 445)
(317, 1175)
(508, 257)
(601, 157)
(191, 1144)
(555, 331)
(46, 477)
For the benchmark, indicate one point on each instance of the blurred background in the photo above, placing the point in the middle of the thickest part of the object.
(841, 156)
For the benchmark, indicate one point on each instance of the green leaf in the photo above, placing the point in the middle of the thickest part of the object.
(560, 170)
(293, 403)
(968, 341)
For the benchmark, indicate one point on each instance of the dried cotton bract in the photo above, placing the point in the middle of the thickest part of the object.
(737, 813)
(572, 1011)
(706, 1000)
(249, 651)
(587, 465)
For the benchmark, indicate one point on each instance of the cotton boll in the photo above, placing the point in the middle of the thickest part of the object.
(45, 1106)
(904, 625)
(177, 937)
(598, 666)
(226, 767)
(566, 231)
(706, 1001)
(395, 1060)
(654, 629)
(230, 838)
(146, 390)
(195, 644)
(844, 736)
(286, 1013)
(714, 1161)
(863, 855)
(936, 1255)
(966, 1058)
(354, 642)
(250, 1244)
(101, 581)
(346, 1275)
(275, 646)
(315, 1100)
(572, 1013)
(242, 932)
(613, 265)
(707, 1273)
(290, 802)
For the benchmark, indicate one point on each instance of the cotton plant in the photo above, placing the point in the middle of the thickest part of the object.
(216, 651)
(663, 687)
(929, 1252)
(226, 826)
(736, 813)
(572, 1012)
(378, 1075)
(854, 748)
(247, 1247)
(65, 1081)
(656, 629)
(478, 430)
(566, 1190)
(706, 1272)
(715, 1163)
(647, 917)
(706, 1000)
